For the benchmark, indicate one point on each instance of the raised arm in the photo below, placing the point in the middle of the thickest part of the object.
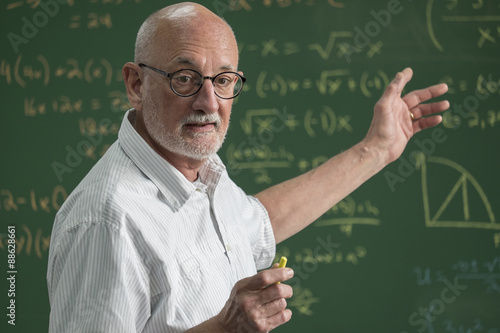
(296, 203)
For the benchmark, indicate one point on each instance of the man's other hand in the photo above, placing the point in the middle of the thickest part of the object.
(257, 303)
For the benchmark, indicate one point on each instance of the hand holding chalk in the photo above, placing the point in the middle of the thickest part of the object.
(282, 264)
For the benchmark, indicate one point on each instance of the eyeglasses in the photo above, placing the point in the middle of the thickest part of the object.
(187, 82)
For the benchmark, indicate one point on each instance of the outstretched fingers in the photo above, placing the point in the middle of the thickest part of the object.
(422, 110)
(426, 115)
(426, 122)
(415, 99)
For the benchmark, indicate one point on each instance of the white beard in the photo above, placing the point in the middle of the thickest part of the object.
(175, 142)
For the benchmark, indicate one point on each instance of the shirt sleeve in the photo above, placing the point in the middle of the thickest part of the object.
(260, 232)
(96, 282)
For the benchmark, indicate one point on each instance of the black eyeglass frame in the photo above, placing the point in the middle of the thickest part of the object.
(203, 78)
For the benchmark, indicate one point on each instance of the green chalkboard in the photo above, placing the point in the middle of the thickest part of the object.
(415, 249)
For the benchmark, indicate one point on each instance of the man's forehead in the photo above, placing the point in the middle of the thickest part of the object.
(184, 60)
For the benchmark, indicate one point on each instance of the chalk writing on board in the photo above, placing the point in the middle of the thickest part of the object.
(34, 4)
(463, 187)
(91, 21)
(483, 120)
(336, 45)
(327, 82)
(324, 120)
(307, 255)
(33, 200)
(248, 5)
(305, 263)
(90, 127)
(455, 85)
(483, 17)
(29, 241)
(488, 84)
(34, 106)
(39, 69)
(302, 300)
(487, 272)
(62, 105)
(337, 42)
(327, 121)
(349, 212)
(476, 325)
(258, 158)
(257, 121)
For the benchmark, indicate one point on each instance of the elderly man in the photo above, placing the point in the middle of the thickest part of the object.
(157, 238)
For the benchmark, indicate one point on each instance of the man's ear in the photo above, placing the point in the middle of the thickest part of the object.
(132, 76)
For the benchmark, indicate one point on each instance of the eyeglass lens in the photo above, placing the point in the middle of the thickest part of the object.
(188, 82)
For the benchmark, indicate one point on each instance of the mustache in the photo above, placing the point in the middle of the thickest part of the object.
(202, 118)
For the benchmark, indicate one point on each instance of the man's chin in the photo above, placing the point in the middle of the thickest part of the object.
(196, 150)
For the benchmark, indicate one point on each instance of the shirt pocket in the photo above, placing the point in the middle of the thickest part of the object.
(189, 267)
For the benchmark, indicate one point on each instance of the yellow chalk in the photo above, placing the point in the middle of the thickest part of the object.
(282, 264)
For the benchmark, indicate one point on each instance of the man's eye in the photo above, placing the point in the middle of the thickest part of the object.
(184, 79)
(223, 81)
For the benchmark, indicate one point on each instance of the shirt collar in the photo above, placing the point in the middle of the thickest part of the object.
(171, 182)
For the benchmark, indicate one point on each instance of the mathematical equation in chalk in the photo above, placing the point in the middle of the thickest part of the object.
(326, 82)
(249, 5)
(91, 21)
(89, 126)
(29, 241)
(338, 45)
(38, 70)
(487, 272)
(261, 159)
(324, 252)
(39, 14)
(482, 119)
(117, 101)
(263, 124)
(349, 212)
(476, 325)
(47, 202)
(477, 21)
(302, 300)
(35, 4)
(483, 84)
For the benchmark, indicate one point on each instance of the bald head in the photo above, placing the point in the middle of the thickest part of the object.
(180, 22)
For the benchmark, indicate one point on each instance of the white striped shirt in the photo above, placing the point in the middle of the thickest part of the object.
(138, 248)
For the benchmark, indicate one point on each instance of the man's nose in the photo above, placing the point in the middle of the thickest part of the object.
(205, 99)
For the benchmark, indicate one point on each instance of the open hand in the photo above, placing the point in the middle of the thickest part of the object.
(396, 119)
